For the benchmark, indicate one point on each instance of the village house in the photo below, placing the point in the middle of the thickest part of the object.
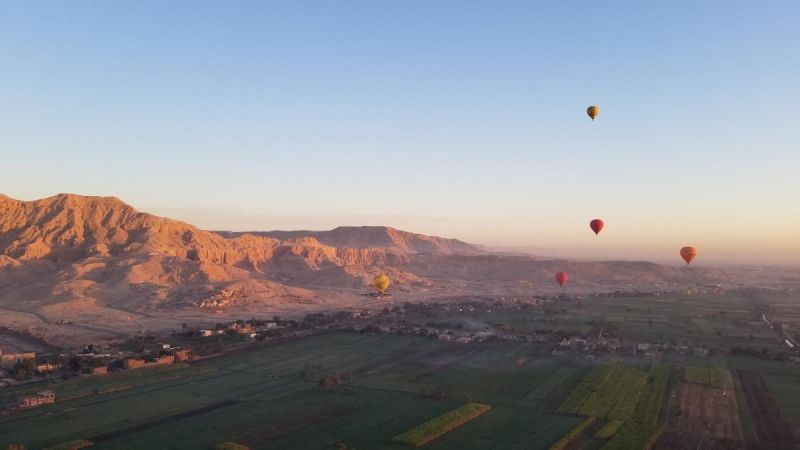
(41, 398)
(133, 363)
(613, 344)
(245, 329)
(100, 370)
(482, 335)
(163, 360)
(8, 360)
(573, 343)
(48, 366)
(138, 363)
(463, 340)
(181, 355)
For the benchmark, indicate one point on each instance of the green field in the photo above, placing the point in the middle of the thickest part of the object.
(259, 398)
(438, 426)
(608, 392)
(644, 425)
(629, 398)
(719, 322)
(269, 396)
(85, 386)
(570, 438)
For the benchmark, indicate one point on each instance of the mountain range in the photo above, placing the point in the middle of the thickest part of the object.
(73, 263)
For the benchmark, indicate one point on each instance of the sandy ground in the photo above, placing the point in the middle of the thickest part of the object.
(78, 323)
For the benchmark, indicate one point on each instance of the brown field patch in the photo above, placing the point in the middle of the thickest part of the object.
(773, 431)
(706, 411)
(679, 440)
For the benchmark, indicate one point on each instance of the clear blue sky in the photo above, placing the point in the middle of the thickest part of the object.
(463, 119)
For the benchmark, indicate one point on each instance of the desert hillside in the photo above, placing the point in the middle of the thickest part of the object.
(380, 237)
(98, 263)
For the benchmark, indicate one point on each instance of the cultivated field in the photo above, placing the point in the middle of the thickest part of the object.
(703, 411)
(269, 396)
(259, 398)
(718, 322)
(608, 392)
(771, 427)
(438, 426)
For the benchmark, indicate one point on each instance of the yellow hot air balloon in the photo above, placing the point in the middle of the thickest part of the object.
(593, 111)
(380, 283)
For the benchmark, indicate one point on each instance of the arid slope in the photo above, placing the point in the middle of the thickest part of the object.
(102, 265)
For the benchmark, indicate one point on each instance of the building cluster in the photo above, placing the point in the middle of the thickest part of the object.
(175, 355)
(31, 401)
(8, 360)
(91, 361)
(600, 344)
(219, 299)
(252, 329)
(16, 366)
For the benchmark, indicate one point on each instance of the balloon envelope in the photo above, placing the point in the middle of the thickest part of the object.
(688, 254)
(380, 283)
(593, 111)
(597, 226)
(561, 278)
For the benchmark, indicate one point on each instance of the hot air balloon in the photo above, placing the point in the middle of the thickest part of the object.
(593, 111)
(561, 278)
(597, 226)
(380, 283)
(688, 254)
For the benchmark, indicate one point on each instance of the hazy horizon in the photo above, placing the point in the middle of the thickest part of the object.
(577, 243)
(464, 121)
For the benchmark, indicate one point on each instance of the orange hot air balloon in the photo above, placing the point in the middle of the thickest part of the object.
(561, 278)
(593, 111)
(597, 226)
(688, 254)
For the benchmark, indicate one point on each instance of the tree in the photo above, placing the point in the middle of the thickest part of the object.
(24, 370)
(22, 374)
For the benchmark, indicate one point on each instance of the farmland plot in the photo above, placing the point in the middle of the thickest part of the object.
(608, 392)
(771, 427)
(706, 405)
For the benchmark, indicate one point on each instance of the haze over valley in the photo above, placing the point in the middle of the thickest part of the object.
(390, 225)
(110, 270)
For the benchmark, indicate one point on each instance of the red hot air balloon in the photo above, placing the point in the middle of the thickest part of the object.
(561, 278)
(597, 226)
(688, 254)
